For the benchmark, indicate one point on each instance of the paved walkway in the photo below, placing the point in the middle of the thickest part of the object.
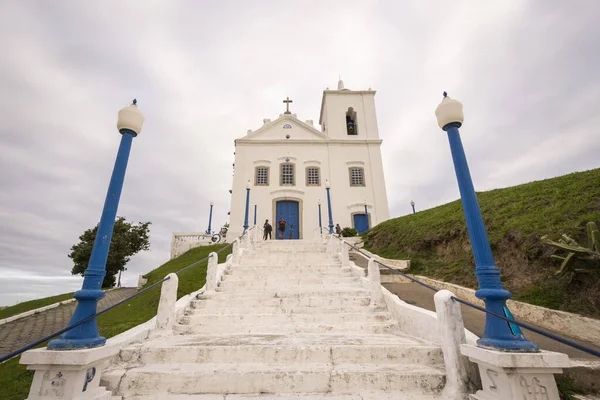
(474, 320)
(21, 332)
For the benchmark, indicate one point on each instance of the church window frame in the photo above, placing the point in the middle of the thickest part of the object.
(261, 175)
(287, 174)
(356, 175)
(313, 176)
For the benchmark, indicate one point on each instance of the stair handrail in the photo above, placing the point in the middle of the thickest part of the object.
(90, 317)
(476, 307)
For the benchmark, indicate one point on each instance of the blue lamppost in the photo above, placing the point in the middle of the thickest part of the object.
(208, 231)
(129, 124)
(367, 213)
(247, 206)
(320, 224)
(412, 204)
(255, 214)
(498, 334)
(328, 188)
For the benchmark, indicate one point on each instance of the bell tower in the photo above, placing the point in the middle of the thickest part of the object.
(349, 114)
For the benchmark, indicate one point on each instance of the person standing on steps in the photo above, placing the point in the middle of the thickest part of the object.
(338, 230)
(268, 229)
(281, 227)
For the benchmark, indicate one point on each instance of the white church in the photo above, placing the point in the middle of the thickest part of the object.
(287, 165)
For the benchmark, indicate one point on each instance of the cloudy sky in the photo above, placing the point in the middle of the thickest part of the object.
(205, 71)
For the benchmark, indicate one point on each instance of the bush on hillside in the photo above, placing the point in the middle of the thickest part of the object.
(349, 232)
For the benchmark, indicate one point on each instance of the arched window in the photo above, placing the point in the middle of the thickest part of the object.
(351, 126)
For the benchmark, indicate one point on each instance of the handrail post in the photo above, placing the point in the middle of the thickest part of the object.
(375, 282)
(235, 250)
(211, 272)
(166, 315)
(461, 375)
(345, 256)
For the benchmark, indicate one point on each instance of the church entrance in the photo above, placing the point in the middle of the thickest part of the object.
(361, 223)
(289, 210)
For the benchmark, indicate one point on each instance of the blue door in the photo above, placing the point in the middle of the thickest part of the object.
(361, 223)
(288, 209)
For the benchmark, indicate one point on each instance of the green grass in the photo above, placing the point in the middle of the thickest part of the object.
(15, 380)
(33, 304)
(436, 240)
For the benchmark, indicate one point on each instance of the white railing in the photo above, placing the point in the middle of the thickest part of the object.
(184, 241)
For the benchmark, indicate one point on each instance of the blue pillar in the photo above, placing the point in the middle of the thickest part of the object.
(320, 224)
(86, 335)
(412, 204)
(329, 209)
(247, 208)
(255, 214)
(498, 334)
(208, 232)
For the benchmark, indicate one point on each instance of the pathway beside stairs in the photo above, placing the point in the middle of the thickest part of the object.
(23, 331)
(287, 321)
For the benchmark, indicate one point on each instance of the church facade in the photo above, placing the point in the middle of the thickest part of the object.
(288, 163)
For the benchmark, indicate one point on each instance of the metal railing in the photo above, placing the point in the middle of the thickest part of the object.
(91, 317)
(476, 307)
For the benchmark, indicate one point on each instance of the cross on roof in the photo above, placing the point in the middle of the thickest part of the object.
(287, 102)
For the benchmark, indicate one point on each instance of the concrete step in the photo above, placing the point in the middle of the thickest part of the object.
(231, 281)
(304, 291)
(268, 274)
(227, 301)
(257, 250)
(240, 287)
(278, 350)
(304, 396)
(273, 270)
(155, 379)
(283, 319)
(287, 328)
(282, 310)
(300, 259)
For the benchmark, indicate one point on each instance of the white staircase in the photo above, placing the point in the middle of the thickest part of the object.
(286, 322)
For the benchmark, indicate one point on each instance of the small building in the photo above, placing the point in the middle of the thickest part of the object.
(288, 163)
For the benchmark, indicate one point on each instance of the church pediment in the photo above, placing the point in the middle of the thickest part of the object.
(285, 127)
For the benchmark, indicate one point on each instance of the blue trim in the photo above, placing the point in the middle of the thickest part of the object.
(86, 335)
(255, 214)
(497, 334)
(247, 207)
(209, 221)
(320, 224)
(329, 210)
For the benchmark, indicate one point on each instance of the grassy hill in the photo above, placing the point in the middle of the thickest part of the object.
(436, 240)
(15, 380)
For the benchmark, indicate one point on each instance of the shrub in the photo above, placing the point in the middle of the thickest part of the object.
(349, 232)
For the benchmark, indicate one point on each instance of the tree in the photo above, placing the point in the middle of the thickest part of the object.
(127, 240)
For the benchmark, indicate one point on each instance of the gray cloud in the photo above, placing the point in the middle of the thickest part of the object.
(205, 73)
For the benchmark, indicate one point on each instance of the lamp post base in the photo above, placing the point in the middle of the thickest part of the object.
(516, 375)
(86, 335)
(76, 344)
